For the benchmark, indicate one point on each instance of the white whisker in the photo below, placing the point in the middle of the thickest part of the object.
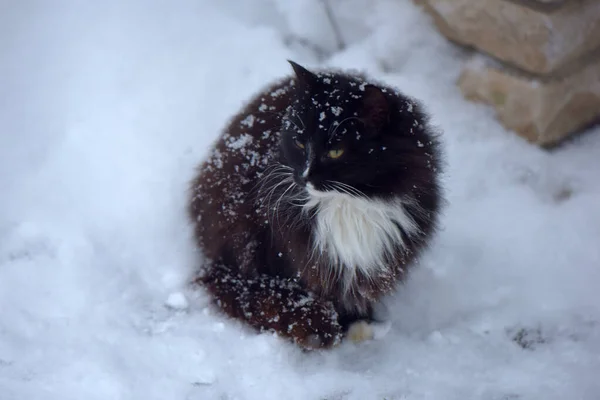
(278, 202)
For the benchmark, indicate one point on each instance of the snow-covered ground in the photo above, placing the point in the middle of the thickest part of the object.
(106, 107)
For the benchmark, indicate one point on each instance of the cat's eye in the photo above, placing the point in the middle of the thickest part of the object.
(335, 153)
(298, 144)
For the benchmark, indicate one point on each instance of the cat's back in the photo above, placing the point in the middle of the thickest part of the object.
(221, 204)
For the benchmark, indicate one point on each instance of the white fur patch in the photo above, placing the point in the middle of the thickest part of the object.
(358, 233)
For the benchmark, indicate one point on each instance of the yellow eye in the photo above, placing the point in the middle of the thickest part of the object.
(336, 153)
(298, 144)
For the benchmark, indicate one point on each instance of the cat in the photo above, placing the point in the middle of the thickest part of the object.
(314, 202)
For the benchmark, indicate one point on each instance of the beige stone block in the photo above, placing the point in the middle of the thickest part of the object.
(542, 40)
(542, 111)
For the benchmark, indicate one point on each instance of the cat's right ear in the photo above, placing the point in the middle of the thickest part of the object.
(305, 78)
(375, 109)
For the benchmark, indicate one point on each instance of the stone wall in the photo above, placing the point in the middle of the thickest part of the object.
(538, 61)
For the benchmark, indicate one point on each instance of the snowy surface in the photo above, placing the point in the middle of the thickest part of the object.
(106, 107)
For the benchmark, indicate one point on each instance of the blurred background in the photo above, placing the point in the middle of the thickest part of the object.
(107, 107)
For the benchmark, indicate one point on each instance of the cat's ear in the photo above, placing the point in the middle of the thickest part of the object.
(375, 111)
(304, 76)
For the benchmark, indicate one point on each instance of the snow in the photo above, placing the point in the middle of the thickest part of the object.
(105, 110)
(177, 301)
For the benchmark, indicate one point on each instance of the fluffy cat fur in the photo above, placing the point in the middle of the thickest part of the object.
(314, 202)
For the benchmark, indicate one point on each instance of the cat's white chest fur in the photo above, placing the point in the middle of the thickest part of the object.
(357, 233)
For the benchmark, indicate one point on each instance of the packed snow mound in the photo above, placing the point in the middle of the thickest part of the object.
(105, 110)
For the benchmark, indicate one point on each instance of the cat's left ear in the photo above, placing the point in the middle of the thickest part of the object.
(375, 111)
(304, 76)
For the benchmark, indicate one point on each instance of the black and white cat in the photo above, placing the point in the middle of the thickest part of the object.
(314, 202)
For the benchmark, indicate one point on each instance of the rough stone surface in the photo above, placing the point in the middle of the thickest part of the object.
(543, 112)
(536, 40)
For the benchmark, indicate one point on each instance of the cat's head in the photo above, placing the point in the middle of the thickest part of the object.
(342, 134)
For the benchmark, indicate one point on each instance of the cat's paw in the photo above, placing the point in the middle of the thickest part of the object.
(316, 341)
(319, 340)
(361, 331)
(317, 327)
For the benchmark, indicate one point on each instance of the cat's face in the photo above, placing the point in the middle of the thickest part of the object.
(336, 135)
